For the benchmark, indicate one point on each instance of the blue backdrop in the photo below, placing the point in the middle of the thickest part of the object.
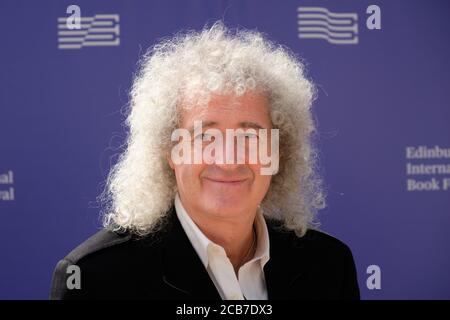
(382, 110)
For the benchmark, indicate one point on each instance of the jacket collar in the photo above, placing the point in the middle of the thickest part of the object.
(184, 271)
(286, 265)
(182, 268)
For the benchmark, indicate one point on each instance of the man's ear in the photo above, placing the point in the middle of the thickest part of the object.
(169, 161)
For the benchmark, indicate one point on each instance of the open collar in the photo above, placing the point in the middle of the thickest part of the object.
(183, 270)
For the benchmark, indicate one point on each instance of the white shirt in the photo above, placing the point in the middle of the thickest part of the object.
(250, 282)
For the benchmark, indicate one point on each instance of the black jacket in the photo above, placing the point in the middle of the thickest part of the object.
(166, 266)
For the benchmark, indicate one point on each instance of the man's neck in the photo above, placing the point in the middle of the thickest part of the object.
(234, 235)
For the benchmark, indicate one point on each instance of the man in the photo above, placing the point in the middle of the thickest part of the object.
(215, 195)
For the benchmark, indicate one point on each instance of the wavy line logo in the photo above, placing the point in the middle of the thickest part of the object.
(320, 23)
(75, 32)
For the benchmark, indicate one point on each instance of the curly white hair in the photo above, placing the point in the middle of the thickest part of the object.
(141, 186)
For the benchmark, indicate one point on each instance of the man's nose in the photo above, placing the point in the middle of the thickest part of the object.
(233, 155)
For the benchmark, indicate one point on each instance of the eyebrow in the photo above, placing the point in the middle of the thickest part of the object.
(249, 124)
(244, 124)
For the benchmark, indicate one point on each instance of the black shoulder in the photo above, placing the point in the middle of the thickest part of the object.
(101, 240)
(322, 239)
(323, 262)
(313, 238)
(97, 243)
(336, 259)
(104, 256)
(323, 245)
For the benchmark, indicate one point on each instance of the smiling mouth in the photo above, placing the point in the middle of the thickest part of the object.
(226, 181)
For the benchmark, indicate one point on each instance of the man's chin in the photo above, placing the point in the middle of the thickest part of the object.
(225, 206)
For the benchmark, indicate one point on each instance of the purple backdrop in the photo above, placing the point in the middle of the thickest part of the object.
(382, 106)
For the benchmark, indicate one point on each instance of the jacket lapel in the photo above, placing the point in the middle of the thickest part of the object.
(186, 278)
(183, 271)
(284, 267)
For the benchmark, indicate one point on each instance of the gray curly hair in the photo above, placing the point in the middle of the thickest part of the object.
(141, 186)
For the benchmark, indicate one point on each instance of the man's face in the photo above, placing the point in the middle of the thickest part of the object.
(220, 190)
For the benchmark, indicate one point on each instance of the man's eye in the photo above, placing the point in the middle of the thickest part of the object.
(249, 135)
(204, 137)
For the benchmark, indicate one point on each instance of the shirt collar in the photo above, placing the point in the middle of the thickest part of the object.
(201, 243)
(262, 235)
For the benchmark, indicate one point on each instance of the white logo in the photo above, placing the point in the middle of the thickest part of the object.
(374, 280)
(74, 280)
(374, 21)
(7, 179)
(320, 23)
(335, 28)
(75, 32)
(426, 168)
